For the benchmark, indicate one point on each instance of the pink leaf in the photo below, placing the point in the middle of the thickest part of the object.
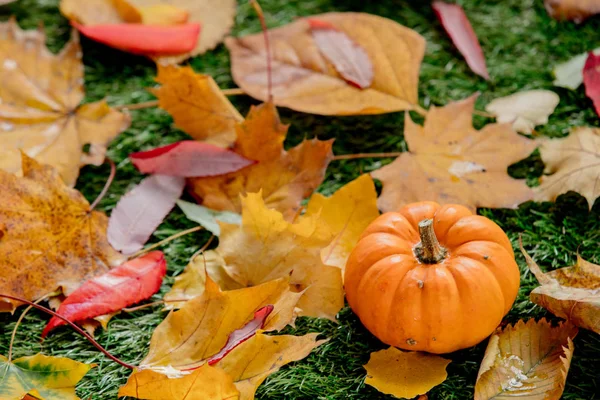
(127, 284)
(458, 27)
(139, 212)
(591, 79)
(350, 60)
(149, 40)
(188, 159)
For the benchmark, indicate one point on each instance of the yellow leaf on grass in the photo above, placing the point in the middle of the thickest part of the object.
(450, 162)
(529, 360)
(405, 374)
(304, 79)
(191, 282)
(40, 111)
(197, 105)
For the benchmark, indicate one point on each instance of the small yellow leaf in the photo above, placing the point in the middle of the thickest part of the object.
(191, 282)
(524, 110)
(405, 374)
(529, 360)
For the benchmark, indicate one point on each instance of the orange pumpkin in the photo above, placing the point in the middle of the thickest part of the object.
(432, 278)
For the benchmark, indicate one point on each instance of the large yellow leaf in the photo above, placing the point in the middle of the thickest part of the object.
(45, 377)
(304, 79)
(40, 112)
(285, 177)
(450, 162)
(405, 374)
(572, 163)
(526, 361)
(50, 239)
(197, 105)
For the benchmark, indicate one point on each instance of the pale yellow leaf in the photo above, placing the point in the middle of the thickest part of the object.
(524, 110)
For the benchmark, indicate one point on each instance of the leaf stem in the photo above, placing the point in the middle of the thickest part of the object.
(167, 240)
(366, 155)
(14, 332)
(263, 24)
(109, 181)
(154, 103)
(78, 329)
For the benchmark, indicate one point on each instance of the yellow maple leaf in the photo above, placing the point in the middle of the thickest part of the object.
(40, 109)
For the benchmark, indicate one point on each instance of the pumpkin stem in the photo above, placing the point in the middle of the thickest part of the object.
(429, 250)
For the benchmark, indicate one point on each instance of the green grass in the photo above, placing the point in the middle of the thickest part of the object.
(521, 44)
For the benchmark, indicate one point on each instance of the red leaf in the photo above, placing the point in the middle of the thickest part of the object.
(127, 284)
(239, 336)
(350, 60)
(458, 27)
(591, 79)
(188, 159)
(141, 211)
(149, 40)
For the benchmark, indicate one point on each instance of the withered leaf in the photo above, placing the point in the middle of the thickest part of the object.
(576, 10)
(524, 110)
(450, 162)
(40, 109)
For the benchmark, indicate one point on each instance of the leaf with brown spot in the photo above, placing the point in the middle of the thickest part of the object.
(40, 109)
(529, 360)
(51, 238)
(576, 10)
(305, 80)
(448, 161)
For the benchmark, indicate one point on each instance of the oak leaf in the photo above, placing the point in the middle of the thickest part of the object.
(524, 110)
(405, 374)
(572, 163)
(40, 110)
(45, 377)
(450, 162)
(50, 237)
(576, 10)
(526, 360)
(304, 80)
(285, 177)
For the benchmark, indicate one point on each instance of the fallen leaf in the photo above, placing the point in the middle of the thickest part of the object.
(50, 237)
(576, 10)
(405, 374)
(570, 73)
(40, 109)
(524, 110)
(285, 177)
(49, 378)
(216, 17)
(457, 25)
(305, 80)
(191, 282)
(208, 218)
(591, 79)
(450, 162)
(127, 284)
(155, 14)
(188, 159)
(204, 383)
(197, 105)
(571, 164)
(137, 214)
(526, 360)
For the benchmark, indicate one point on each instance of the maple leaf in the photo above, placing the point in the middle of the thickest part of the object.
(50, 238)
(49, 378)
(192, 281)
(285, 177)
(197, 105)
(40, 109)
(405, 374)
(305, 80)
(576, 10)
(572, 163)
(526, 360)
(450, 162)
(524, 110)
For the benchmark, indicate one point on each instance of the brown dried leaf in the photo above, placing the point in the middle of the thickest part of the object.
(576, 10)
(304, 80)
(450, 162)
(528, 360)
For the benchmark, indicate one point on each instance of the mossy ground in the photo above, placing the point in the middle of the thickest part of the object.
(521, 44)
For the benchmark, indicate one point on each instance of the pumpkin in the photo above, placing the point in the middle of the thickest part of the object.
(432, 278)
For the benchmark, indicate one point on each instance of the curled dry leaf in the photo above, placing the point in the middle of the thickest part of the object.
(591, 79)
(50, 237)
(305, 80)
(452, 163)
(285, 177)
(405, 374)
(208, 218)
(45, 377)
(528, 360)
(570, 73)
(197, 105)
(524, 110)
(40, 110)
(575, 10)
(572, 163)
